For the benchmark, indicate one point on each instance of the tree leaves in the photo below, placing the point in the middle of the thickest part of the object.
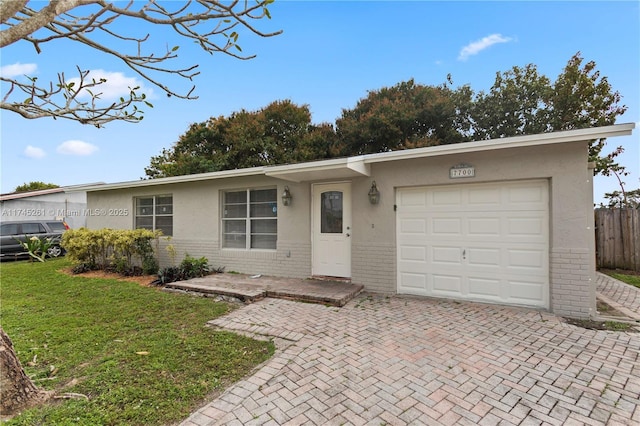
(407, 115)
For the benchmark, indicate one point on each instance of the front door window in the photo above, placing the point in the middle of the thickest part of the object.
(331, 212)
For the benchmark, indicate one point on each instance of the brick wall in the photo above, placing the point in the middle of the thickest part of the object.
(374, 265)
(572, 283)
(290, 260)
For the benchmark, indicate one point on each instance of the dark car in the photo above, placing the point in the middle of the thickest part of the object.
(12, 234)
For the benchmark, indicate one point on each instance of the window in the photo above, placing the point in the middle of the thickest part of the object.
(155, 213)
(9, 229)
(331, 212)
(33, 228)
(250, 219)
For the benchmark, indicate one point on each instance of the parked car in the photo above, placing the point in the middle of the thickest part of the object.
(12, 234)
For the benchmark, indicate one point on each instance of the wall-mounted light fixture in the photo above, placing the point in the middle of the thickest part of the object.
(374, 194)
(286, 196)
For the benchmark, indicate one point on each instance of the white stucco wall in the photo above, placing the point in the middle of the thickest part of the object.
(70, 207)
(572, 271)
(197, 224)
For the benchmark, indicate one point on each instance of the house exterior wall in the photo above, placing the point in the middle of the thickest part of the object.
(197, 208)
(572, 291)
(70, 207)
(196, 224)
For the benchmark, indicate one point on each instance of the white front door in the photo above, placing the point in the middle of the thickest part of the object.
(331, 207)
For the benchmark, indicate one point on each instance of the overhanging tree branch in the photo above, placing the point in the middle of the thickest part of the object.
(213, 25)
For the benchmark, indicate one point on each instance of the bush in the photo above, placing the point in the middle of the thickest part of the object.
(190, 267)
(128, 252)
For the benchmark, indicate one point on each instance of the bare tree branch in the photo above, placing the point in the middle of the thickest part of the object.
(214, 26)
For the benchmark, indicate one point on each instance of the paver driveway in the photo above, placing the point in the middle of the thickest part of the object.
(396, 360)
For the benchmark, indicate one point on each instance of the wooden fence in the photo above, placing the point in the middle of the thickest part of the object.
(618, 238)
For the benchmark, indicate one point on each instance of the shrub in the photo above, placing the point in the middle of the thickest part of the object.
(37, 248)
(190, 267)
(128, 252)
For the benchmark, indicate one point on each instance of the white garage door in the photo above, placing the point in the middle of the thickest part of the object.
(484, 242)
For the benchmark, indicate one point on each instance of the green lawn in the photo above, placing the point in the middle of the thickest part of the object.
(628, 278)
(142, 356)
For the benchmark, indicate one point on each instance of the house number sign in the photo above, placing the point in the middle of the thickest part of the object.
(462, 171)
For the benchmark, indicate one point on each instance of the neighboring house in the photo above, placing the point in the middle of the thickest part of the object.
(46, 204)
(506, 221)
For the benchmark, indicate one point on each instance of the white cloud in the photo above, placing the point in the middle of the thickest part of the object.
(73, 147)
(34, 152)
(477, 46)
(17, 70)
(116, 85)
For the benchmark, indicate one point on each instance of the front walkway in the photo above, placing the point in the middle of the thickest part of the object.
(250, 288)
(621, 296)
(402, 360)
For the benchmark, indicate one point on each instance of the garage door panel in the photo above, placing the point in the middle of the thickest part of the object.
(485, 288)
(444, 255)
(484, 257)
(412, 198)
(413, 253)
(526, 292)
(525, 226)
(447, 284)
(484, 197)
(484, 226)
(529, 195)
(413, 226)
(487, 242)
(414, 282)
(444, 198)
(446, 226)
(527, 259)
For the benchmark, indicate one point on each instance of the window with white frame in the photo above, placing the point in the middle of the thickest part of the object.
(250, 219)
(155, 212)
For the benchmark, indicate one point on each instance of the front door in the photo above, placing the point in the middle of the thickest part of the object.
(331, 207)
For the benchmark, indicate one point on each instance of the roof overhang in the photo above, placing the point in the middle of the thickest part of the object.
(171, 180)
(340, 168)
(344, 168)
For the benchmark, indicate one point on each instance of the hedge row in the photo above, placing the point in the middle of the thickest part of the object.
(129, 252)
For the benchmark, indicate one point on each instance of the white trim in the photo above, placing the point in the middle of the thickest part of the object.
(343, 168)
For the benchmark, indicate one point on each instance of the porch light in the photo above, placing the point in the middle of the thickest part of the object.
(286, 196)
(374, 194)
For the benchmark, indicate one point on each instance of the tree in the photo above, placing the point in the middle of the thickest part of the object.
(407, 115)
(214, 26)
(582, 98)
(279, 133)
(35, 186)
(515, 105)
(623, 199)
(523, 102)
(17, 391)
(91, 23)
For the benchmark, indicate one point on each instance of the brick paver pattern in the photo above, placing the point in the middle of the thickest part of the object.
(621, 295)
(391, 360)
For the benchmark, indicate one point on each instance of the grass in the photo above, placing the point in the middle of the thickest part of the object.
(603, 325)
(627, 276)
(142, 356)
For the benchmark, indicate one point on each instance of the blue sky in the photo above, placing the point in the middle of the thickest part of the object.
(329, 55)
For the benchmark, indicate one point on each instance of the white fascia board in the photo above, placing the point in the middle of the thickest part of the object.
(27, 194)
(510, 142)
(337, 167)
(171, 180)
(359, 165)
